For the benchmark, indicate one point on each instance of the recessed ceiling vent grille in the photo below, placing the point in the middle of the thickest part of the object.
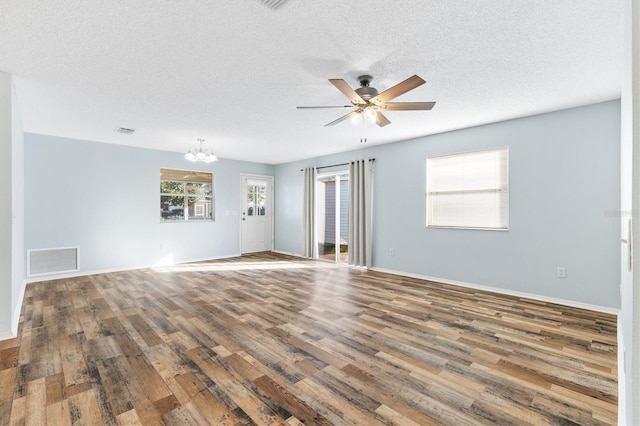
(273, 4)
(52, 261)
(124, 130)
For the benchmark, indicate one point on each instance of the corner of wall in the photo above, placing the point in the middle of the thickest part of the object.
(6, 213)
(15, 320)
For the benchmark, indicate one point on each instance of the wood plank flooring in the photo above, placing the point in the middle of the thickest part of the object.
(275, 340)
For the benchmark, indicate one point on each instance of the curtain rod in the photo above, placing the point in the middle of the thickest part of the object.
(336, 165)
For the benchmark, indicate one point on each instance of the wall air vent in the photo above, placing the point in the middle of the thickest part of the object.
(124, 130)
(52, 261)
(273, 4)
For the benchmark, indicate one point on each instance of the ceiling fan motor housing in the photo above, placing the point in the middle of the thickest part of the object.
(366, 93)
(364, 90)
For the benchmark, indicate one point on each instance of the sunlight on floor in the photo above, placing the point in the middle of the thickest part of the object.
(165, 261)
(236, 266)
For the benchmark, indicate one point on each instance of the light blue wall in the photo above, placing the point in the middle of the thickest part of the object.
(565, 190)
(104, 199)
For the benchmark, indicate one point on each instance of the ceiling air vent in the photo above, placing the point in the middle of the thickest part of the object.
(273, 4)
(124, 130)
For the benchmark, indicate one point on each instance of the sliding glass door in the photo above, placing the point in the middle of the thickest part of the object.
(333, 216)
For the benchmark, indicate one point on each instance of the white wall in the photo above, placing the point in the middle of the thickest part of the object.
(565, 183)
(104, 198)
(18, 258)
(6, 213)
(12, 261)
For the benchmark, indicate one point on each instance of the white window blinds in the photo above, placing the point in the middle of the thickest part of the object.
(469, 190)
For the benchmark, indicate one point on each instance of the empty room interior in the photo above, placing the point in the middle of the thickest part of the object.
(323, 213)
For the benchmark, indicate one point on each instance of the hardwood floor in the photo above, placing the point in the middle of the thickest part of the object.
(273, 340)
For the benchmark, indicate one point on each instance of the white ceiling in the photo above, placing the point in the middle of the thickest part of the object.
(233, 72)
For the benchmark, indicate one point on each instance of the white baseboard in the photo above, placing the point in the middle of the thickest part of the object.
(571, 303)
(15, 321)
(622, 391)
(6, 335)
(289, 253)
(130, 268)
(15, 318)
(597, 308)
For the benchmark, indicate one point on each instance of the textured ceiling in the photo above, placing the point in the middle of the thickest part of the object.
(233, 72)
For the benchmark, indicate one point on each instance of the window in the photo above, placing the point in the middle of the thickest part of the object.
(256, 197)
(469, 190)
(186, 195)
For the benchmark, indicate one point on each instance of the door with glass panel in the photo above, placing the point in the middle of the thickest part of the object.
(333, 216)
(257, 213)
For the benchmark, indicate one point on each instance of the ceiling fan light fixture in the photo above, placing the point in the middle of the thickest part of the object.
(200, 155)
(370, 114)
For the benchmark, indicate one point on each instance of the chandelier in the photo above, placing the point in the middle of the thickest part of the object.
(199, 154)
(369, 112)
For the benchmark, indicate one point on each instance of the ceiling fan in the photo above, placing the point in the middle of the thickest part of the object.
(365, 100)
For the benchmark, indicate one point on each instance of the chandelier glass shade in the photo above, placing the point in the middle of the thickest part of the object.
(368, 112)
(200, 155)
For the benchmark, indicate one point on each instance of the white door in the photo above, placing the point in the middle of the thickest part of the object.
(257, 213)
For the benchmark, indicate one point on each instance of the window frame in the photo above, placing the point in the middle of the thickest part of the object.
(497, 187)
(187, 185)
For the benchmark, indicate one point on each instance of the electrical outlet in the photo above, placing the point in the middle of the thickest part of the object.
(392, 252)
(561, 272)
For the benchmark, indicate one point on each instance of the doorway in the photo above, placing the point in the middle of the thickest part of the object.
(256, 226)
(333, 216)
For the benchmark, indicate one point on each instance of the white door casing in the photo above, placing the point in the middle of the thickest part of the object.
(256, 213)
(629, 318)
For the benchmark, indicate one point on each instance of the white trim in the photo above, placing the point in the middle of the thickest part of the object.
(107, 271)
(622, 396)
(6, 335)
(289, 253)
(15, 321)
(571, 303)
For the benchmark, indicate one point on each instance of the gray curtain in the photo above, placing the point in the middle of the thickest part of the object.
(360, 212)
(310, 248)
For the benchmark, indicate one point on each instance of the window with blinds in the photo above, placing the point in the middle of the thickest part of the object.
(186, 195)
(469, 190)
